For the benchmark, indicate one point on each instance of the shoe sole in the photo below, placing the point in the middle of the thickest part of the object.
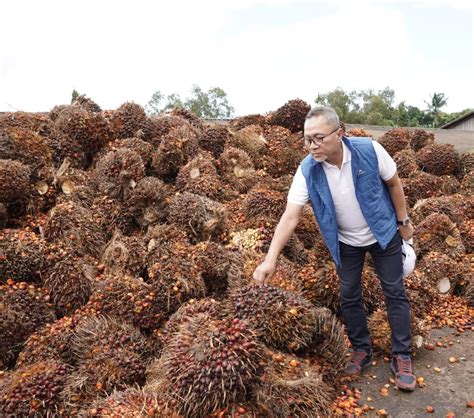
(408, 389)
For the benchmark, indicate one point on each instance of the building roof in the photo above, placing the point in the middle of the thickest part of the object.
(458, 120)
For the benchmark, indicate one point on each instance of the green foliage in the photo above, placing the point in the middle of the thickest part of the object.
(369, 107)
(210, 104)
(75, 94)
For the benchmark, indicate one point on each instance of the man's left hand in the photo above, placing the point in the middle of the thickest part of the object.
(406, 231)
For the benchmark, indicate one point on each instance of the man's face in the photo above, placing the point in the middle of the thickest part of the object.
(321, 138)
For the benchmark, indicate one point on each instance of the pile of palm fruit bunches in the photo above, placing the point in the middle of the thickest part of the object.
(127, 247)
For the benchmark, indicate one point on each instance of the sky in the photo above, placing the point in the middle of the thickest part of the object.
(262, 53)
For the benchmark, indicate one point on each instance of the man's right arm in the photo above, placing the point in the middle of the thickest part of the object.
(283, 232)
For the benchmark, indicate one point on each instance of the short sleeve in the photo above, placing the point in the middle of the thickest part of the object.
(298, 193)
(387, 167)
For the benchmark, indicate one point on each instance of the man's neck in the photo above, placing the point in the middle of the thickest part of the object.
(337, 158)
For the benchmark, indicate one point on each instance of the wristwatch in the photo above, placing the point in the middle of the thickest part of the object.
(404, 222)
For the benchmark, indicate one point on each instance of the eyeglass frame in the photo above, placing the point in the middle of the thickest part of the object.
(318, 140)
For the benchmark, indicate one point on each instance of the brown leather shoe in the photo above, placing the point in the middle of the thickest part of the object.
(359, 360)
(404, 377)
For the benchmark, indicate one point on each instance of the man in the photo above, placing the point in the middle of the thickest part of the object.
(358, 201)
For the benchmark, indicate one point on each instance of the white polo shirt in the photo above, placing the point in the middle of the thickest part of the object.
(352, 227)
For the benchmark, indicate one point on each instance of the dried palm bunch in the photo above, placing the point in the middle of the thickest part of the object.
(251, 140)
(243, 121)
(181, 112)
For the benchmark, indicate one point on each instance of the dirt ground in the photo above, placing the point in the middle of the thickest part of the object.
(448, 386)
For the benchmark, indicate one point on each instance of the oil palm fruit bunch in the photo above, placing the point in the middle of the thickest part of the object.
(395, 140)
(23, 309)
(282, 319)
(118, 172)
(291, 115)
(86, 103)
(236, 169)
(292, 387)
(34, 390)
(420, 138)
(439, 159)
(200, 176)
(214, 138)
(127, 120)
(421, 186)
(407, 165)
(243, 121)
(207, 364)
(201, 217)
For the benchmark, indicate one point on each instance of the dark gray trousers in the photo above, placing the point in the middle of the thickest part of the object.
(389, 267)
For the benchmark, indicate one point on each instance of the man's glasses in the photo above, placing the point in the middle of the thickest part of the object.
(317, 139)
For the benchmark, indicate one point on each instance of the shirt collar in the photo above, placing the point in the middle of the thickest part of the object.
(346, 156)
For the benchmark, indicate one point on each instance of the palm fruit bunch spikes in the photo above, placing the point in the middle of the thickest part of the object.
(437, 233)
(15, 186)
(421, 186)
(52, 341)
(236, 169)
(466, 163)
(162, 125)
(142, 148)
(439, 159)
(34, 390)
(23, 309)
(186, 312)
(131, 402)
(291, 115)
(216, 266)
(127, 120)
(130, 299)
(125, 254)
(329, 344)
(244, 121)
(22, 255)
(176, 278)
(450, 184)
(177, 147)
(284, 151)
(203, 218)
(208, 363)
(37, 122)
(200, 176)
(419, 138)
(262, 201)
(3, 216)
(118, 172)
(63, 147)
(358, 132)
(28, 147)
(90, 131)
(282, 319)
(395, 140)
(214, 138)
(407, 165)
(86, 103)
(251, 140)
(68, 277)
(147, 204)
(108, 370)
(440, 271)
(76, 226)
(292, 387)
(457, 207)
(190, 117)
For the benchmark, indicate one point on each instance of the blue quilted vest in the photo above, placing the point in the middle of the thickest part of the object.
(371, 192)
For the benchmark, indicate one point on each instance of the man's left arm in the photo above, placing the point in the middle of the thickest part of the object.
(398, 199)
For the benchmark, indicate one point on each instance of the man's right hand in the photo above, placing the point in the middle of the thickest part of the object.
(263, 272)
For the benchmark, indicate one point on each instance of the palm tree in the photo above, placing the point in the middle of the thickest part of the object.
(437, 101)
